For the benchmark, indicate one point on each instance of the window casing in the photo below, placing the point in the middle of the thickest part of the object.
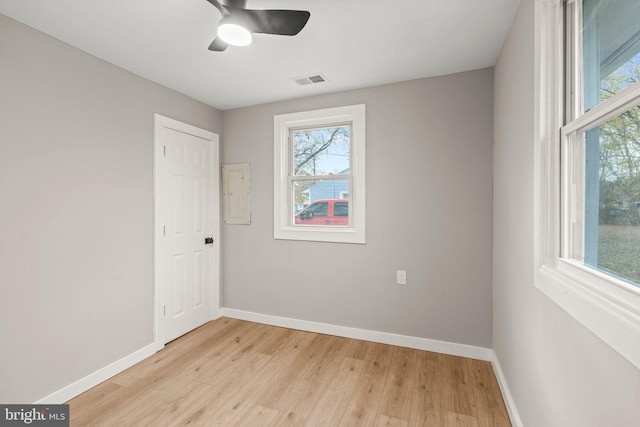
(305, 169)
(568, 117)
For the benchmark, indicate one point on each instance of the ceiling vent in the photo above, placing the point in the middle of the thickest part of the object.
(311, 79)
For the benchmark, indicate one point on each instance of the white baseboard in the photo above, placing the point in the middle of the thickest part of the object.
(436, 346)
(95, 378)
(506, 393)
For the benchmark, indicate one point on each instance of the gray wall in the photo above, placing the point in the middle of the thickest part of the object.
(428, 212)
(76, 210)
(559, 373)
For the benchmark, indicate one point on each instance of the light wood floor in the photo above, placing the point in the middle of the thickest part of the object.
(236, 373)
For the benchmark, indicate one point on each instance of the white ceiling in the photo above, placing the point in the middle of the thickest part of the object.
(354, 43)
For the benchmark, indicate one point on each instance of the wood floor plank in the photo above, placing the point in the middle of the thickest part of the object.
(259, 416)
(362, 408)
(243, 396)
(310, 397)
(490, 409)
(399, 388)
(273, 339)
(236, 373)
(385, 421)
(453, 419)
(188, 407)
(327, 359)
(460, 377)
(331, 406)
(210, 332)
(293, 354)
(95, 400)
(298, 402)
(134, 416)
(426, 402)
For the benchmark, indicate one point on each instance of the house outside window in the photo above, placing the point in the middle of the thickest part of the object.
(588, 165)
(319, 175)
(337, 188)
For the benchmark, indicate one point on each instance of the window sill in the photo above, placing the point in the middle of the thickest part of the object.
(320, 234)
(606, 306)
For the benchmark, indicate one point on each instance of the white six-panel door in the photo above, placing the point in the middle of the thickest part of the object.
(187, 224)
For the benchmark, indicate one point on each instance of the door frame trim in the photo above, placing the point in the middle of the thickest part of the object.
(160, 122)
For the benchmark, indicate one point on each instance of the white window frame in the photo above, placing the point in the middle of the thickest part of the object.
(608, 307)
(282, 225)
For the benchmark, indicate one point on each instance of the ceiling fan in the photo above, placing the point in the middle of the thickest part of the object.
(238, 23)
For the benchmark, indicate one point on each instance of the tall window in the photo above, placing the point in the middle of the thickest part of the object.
(587, 147)
(319, 175)
(602, 137)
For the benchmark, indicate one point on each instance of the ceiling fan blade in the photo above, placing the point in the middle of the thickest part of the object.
(218, 45)
(241, 4)
(217, 5)
(281, 22)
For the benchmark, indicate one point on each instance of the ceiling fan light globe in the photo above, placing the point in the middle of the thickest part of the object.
(234, 34)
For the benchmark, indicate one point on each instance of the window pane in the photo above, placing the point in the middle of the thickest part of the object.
(341, 209)
(612, 202)
(321, 151)
(319, 202)
(611, 48)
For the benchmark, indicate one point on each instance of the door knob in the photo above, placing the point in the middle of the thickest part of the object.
(208, 240)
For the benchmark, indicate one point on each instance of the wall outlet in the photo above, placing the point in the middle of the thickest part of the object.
(401, 277)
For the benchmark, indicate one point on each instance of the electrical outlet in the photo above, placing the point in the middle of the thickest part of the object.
(401, 277)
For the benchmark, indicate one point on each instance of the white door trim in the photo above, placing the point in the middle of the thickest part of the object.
(159, 191)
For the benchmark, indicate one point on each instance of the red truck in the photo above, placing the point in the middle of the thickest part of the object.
(325, 212)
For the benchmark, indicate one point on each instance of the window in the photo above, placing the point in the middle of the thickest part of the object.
(320, 168)
(341, 209)
(588, 165)
(319, 210)
(319, 175)
(601, 137)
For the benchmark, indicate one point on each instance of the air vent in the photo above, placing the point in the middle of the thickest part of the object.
(311, 79)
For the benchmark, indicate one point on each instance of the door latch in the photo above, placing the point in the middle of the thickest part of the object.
(208, 240)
